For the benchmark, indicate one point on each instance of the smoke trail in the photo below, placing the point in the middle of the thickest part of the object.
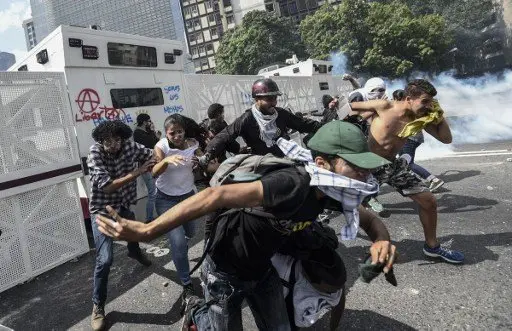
(479, 110)
(339, 64)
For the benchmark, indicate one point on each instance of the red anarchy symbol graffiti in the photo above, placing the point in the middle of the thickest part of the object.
(88, 100)
(111, 113)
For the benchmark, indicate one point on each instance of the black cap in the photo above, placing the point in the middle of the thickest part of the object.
(326, 100)
(141, 118)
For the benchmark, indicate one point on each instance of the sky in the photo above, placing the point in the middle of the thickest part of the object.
(12, 37)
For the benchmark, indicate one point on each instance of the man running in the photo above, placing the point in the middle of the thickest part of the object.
(392, 123)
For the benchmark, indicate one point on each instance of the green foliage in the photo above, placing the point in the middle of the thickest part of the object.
(384, 39)
(337, 28)
(262, 39)
(466, 20)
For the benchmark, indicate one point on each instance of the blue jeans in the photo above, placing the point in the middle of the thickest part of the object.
(225, 293)
(150, 204)
(410, 149)
(105, 257)
(178, 237)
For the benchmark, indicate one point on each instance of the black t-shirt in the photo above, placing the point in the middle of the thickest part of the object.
(148, 139)
(244, 243)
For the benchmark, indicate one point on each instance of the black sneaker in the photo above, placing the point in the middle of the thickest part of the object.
(188, 291)
(140, 257)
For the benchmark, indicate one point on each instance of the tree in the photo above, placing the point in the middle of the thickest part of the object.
(473, 24)
(403, 42)
(384, 39)
(337, 28)
(262, 39)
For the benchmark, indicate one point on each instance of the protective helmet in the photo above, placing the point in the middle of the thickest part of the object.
(265, 87)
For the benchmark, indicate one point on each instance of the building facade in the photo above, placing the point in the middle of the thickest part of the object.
(207, 20)
(151, 18)
(30, 33)
(6, 60)
(298, 9)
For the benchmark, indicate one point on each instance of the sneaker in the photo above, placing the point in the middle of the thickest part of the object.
(140, 257)
(444, 253)
(375, 205)
(188, 291)
(192, 303)
(435, 184)
(98, 318)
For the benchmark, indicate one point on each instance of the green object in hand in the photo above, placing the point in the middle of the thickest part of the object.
(369, 271)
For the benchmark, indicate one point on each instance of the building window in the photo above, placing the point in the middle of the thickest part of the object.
(213, 32)
(192, 37)
(194, 9)
(131, 55)
(193, 51)
(230, 19)
(136, 97)
(208, 4)
(204, 62)
(197, 23)
(211, 18)
(209, 47)
(269, 7)
(190, 25)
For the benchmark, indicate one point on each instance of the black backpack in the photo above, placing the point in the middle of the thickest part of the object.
(244, 168)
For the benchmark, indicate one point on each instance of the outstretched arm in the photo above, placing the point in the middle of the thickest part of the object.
(200, 204)
(368, 109)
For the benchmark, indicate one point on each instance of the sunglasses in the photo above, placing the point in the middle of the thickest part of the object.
(380, 90)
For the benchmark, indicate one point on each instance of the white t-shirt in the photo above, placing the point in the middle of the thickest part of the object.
(177, 180)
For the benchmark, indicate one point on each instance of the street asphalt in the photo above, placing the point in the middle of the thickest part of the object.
(474, 217)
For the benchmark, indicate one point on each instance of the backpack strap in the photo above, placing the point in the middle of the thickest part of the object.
(290, 307)
(209, 241)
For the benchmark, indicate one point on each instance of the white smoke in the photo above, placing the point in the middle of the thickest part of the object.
(479, 109)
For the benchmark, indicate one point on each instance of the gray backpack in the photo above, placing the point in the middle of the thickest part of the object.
(245, 168)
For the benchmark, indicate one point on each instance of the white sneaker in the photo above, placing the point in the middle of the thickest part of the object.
(435, 184)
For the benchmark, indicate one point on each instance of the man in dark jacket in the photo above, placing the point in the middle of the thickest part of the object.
(145, 134)
(261, 125)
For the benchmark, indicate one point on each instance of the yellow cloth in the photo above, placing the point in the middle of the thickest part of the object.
(434, 116)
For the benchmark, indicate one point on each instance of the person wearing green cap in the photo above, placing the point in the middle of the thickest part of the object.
(238, 267)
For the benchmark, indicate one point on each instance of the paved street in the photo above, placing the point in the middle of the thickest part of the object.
(474, 216)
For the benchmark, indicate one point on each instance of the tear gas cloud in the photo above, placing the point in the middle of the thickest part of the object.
(479, 109)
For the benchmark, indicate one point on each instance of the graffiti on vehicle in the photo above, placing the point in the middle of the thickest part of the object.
(173, 109)
(88, 102)
(246, 98)
(141, 111)
(173, 92)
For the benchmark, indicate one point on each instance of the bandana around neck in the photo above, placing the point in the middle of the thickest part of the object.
(349, 192)
(267, 124)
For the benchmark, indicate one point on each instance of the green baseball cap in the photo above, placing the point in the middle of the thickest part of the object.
(346, 141)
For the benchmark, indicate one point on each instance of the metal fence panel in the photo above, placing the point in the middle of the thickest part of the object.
(40, 214)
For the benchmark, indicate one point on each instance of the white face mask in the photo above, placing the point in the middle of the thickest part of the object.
(376, 95)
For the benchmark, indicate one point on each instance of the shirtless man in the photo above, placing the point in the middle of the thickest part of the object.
(388, 120)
